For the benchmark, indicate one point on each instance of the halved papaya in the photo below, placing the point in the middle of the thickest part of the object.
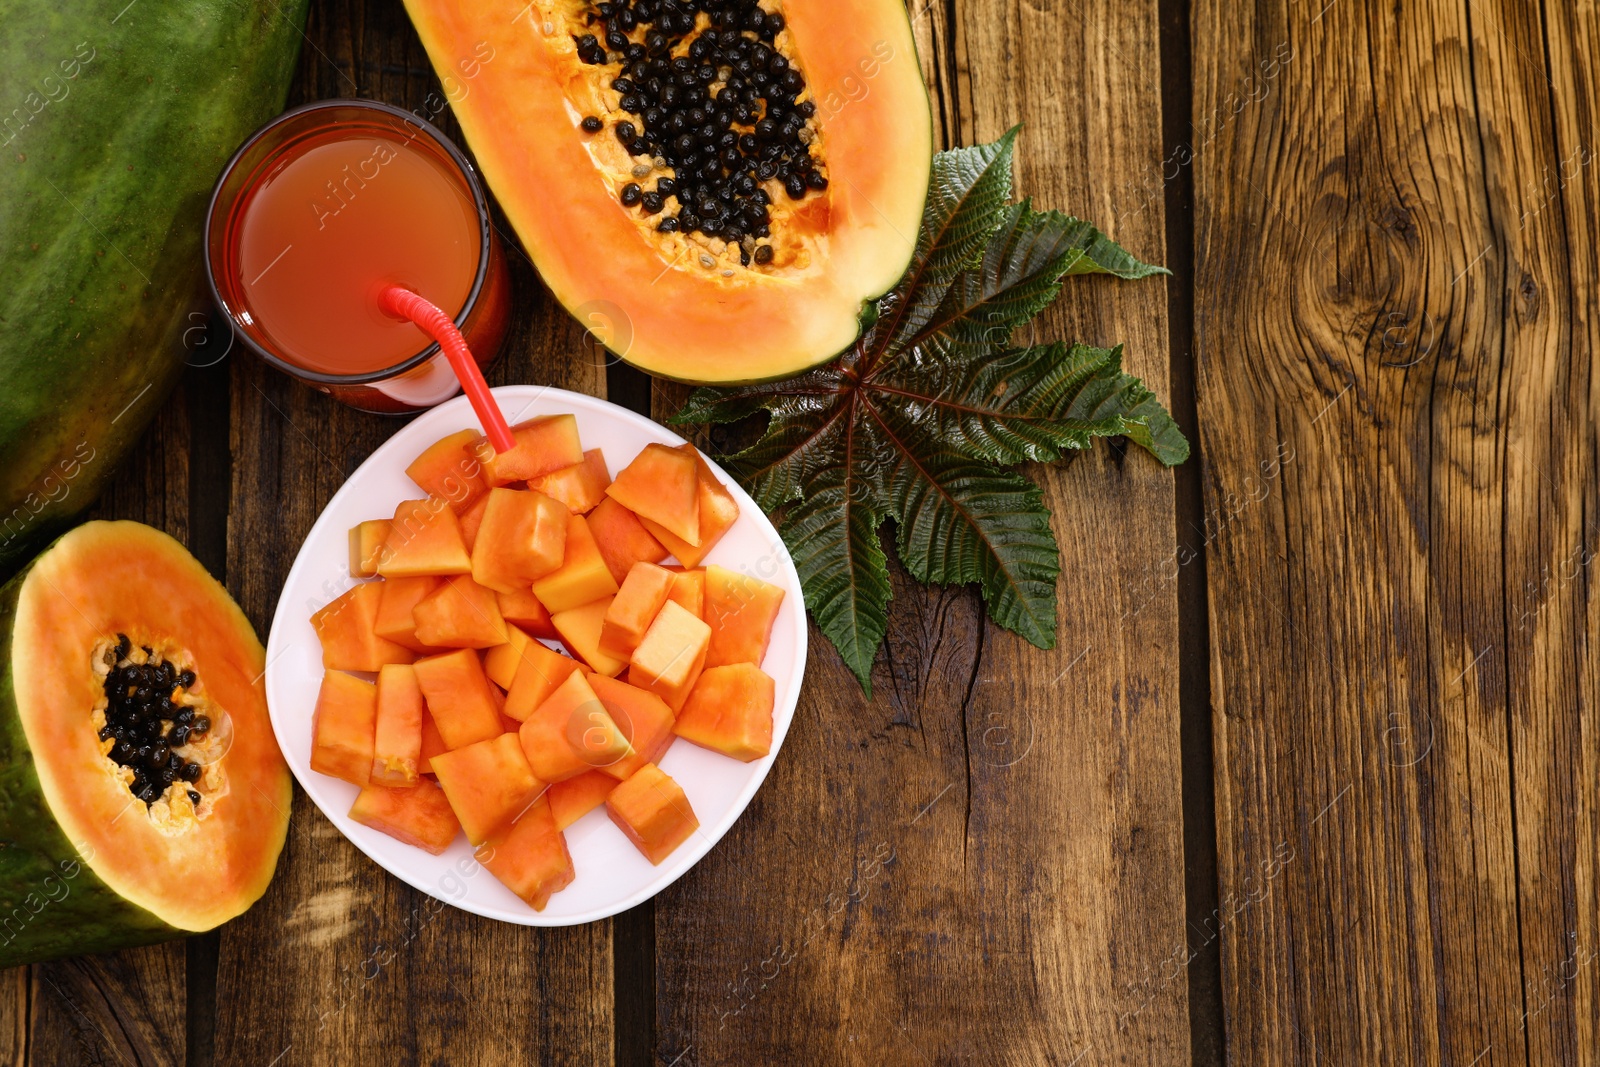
(107, 639)
(703, 261)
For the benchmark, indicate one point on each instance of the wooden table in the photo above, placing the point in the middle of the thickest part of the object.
(1312, 776)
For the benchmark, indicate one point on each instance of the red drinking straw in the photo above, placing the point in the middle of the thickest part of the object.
(404, 304)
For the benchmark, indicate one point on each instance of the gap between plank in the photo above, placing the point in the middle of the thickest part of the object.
(633, 933)
(1204, 972)
(210, 478)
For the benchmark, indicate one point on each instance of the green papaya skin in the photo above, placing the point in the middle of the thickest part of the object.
(113, 129)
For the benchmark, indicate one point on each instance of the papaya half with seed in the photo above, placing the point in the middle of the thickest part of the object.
(717, 188)
(142, 793)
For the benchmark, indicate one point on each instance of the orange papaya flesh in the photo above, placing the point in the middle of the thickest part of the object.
(420, 815)
(741, 610)
(652, 810)
(488, 784)
(622, 538)
(729, 710)
(661, 486)
(530, 856)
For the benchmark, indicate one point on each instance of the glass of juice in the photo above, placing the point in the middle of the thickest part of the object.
(317, 213)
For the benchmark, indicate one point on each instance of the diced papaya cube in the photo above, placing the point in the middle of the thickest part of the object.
(669, 658)
(366, 546)
(449, 469)
(581, 486)
(622, 538)
(489, 784)
(400, 596)
(523, 537)
(419, 816)
(397, 736)
(729, 710)
(459, 697)
(530, 856)
(661, 484)
(341, 731)
(652, 810)
(740, 610)
(460, 614)
(346, 629)
(471, 520)
(500, 662)
(583, 576)
(540, 671)
(544, 444)
(689, 589)
(579, 629)
(634, 608)
(424, 538)
(524, 609)
(644, 719)
(576, 797)
(432, 743)
(718, 512)
(571, 732)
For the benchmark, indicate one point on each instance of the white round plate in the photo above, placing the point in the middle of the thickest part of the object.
(612, 875)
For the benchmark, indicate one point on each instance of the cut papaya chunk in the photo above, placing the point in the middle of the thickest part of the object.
(689, 589)
(540, 671)
(471, 520)
(634, 608)
(397, 736)
(740, 610)
(424, 538)
(583, 576)
(524, 609)
(449, 469)
(668, 660)
(544, 444)
(644, 719)
(530, 856)
(459, 697)
(579, 629)
(571, 732)
(523, 537)
(500, 662)
(488, 783)
(366, 546)
(718, 512)
(729, 710)
(342, 725)
(460, 614)
(394, 621)
(652, 810)
(622, 538)
(662, 485)
(420, 815)
(432, 743)
(576, 797)
(581, 486)
(346, 628)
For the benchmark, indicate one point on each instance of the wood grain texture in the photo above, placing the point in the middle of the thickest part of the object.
(985, 863)
(1395, 327)
(341, 963)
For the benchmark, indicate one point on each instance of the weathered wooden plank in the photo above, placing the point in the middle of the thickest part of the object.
(340, 963)
(986, 862)
(1389, 377)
